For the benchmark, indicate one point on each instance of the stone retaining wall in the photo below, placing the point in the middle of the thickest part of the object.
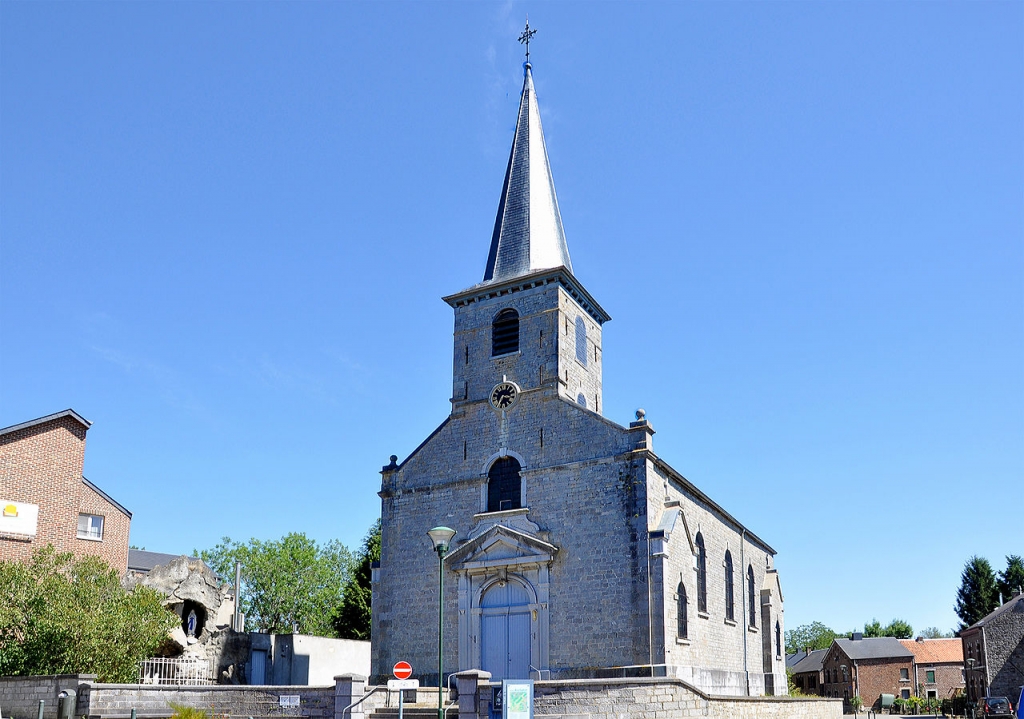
(643, 698)
(117, 700)
(20, 696)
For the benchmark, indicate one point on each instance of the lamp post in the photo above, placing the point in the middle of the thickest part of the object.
(970, 678)
(441, 537)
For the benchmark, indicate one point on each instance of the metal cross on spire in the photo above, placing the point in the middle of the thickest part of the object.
(525, 37)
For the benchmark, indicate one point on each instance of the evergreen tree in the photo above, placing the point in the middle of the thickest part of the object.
(1011, 579)
(978, 594)
(352, 620)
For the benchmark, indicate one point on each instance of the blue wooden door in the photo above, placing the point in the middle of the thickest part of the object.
(505, 629)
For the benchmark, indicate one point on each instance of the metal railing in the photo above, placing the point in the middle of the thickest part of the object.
(185, 672)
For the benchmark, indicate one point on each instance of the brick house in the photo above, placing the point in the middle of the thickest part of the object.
(44, 499)
(868, 668)
(993, 650)
(938, 666)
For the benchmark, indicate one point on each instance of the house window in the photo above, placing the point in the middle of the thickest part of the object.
(504, 485)
(90, 526)
(702, 575)
(905, 693)
(750, 595)
(730, 610)
(581, 340)
(904, 675)
(505, 333)
(929, 676)
(681, 611)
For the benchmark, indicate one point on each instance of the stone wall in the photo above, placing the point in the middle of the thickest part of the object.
(640, 699)
(117, 700)
(20, 696)
(1004, 650)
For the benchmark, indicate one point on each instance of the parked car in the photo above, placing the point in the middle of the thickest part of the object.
(995, 708)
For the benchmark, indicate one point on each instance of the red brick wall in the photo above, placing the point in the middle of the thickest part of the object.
(42, 465)
(874, 677)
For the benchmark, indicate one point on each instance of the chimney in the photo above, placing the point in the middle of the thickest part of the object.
(919, 639)
(857, 636)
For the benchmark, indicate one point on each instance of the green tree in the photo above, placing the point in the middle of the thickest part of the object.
(352, 620)
(1011, 579)
(899, 629)
(809, 636)
(873, 629)
(62, 615)
(292, 584)
(978, 594)
(935, 633)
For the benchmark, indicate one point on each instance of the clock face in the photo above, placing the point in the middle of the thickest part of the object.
(504, 395)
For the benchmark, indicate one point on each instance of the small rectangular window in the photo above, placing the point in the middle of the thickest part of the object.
(90, 526)
(929, 676)
(904, 674)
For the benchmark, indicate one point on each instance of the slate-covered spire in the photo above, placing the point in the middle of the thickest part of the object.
(528, 234)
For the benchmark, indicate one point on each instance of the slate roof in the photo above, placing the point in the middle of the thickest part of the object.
(810, 662)
(528, 234)
(1016, 605)
(935, 651)
(874, 648)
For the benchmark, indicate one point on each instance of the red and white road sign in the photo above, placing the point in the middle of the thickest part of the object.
(402, 670)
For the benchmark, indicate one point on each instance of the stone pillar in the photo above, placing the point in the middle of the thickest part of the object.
(348, 689)
(470, 684)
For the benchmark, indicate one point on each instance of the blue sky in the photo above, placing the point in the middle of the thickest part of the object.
(226, 228)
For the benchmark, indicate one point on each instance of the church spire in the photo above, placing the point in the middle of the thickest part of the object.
(528, 234)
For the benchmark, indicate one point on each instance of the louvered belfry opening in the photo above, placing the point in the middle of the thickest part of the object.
(504, 485)
(505, 333)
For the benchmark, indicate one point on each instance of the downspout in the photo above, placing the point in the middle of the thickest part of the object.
(746, 623)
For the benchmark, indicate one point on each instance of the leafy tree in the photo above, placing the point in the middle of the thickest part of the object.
(978, 594)
(62, 615)
(935, 633)
(874, 629)
(809, 636)
(1011, 579)
(899, 629)
(292, 584)
(352, 620)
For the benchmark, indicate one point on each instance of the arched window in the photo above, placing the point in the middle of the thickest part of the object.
(778, 640)
(702, 575)
(505, 333)
(750, 595)
(504, 485)
(730, 608)
(681, 611)
(581, 340)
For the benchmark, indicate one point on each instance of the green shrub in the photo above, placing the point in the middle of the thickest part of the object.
(183, 712)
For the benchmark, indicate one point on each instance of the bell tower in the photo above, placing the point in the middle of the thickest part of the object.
(529, 321)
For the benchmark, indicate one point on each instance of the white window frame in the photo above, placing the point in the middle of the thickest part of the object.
(93, 530)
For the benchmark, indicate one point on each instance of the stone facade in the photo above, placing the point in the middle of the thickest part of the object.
(605, 534)
(41, 465)
(996, 646)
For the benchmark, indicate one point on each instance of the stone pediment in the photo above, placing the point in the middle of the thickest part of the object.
(501, 546)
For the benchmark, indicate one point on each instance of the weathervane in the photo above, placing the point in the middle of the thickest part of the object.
(525, 38)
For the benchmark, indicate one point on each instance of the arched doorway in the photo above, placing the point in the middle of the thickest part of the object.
(505, 630)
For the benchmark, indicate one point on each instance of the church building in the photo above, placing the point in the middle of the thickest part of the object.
(579, 552)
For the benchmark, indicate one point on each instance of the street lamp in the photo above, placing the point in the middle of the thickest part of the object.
(441, 537)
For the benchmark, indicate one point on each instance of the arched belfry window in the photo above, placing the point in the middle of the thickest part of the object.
(681, 628)
(750, 595)
(505, 333)
(778, 640)
(504, 487)
(702, 575)
(730, 608)
(581, 340)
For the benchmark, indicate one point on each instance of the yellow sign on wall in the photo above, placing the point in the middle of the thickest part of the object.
(18, 517)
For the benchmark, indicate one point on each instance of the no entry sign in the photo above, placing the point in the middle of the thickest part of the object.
(402, 670)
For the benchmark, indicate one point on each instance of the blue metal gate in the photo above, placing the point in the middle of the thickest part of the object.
(505, 626)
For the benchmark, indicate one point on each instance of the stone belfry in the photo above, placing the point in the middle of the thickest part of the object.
(550, 333)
